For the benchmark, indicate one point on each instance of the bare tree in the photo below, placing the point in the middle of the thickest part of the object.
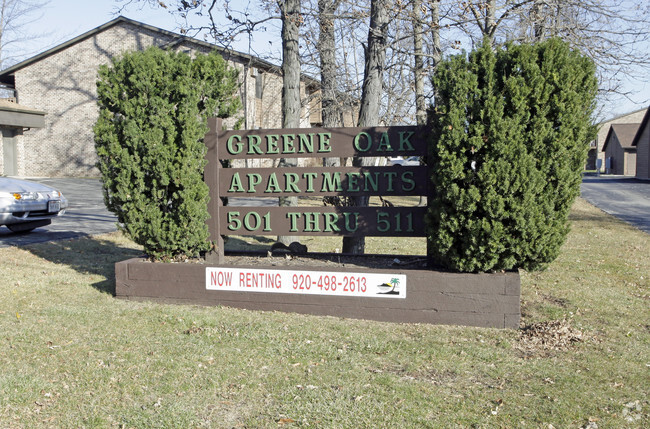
(613, 33)
(222, 22)
(371, 96)
(418, 69)
(291, 20)
(327, 53)
(15, 16)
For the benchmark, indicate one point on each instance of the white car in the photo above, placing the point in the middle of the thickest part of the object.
(27, 205)
(411, 160)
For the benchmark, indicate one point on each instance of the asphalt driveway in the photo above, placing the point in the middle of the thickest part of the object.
(624, 197)
(86, 215)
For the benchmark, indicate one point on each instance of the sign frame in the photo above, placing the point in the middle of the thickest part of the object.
(223, 145)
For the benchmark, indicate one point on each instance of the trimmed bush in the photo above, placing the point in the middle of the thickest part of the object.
(511, 128)
(154, 106)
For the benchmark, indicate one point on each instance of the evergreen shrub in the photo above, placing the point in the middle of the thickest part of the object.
(511, 128)
(154, 106)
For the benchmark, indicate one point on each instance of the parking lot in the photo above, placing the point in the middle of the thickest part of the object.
(85, 216)
(624, 197)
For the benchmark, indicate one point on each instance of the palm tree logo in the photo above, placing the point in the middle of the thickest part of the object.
(389, 288)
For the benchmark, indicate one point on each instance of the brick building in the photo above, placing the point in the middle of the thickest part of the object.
(14, 118)
(62, 83)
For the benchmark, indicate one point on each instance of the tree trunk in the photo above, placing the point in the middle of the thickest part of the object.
(327, 53)
(290, 11)
(490, 19)
(538, 21)
(370, 98)
(435, 35)
(418, 71)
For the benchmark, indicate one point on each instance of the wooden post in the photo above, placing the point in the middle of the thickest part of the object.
(211, 177)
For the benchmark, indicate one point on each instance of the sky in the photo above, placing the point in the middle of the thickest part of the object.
(62, 20)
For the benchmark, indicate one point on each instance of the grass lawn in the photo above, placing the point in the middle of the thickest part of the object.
(72, 356)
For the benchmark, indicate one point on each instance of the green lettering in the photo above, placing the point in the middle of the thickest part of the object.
(331, 182)
(293, 219)
(306, 143)
(408, 184)
(235, 184)
(272, 143)
(237, 148)
(254, 145)
(291, 182)
(273, 185)
(287, 143)
(330, 222)
(353, 185)
(404, 141)
(247, 221)
(349, 228)
(384, 143)
(369, 180)
(357, 142)
(383, 222)
(253, 180)
(391, 175)
(311, 222)
(310, 181)
(324, 142)
(233, 221)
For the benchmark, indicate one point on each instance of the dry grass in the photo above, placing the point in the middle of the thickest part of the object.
(73, 356)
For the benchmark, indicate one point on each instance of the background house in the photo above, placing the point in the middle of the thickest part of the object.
(596, 150)
(62, 83)
(620, 155)
(14, 120)
(642, 143)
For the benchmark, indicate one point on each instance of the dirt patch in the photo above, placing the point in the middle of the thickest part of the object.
(546, 338)
(560, 302)
(282, 258)
(327, 260)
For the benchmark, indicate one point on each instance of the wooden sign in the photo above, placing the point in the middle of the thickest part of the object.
(490, 300)
(315, 181)
(320, 142)
(342, 221)
(350, 181)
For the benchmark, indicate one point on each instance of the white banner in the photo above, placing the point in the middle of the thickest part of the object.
(370, 285)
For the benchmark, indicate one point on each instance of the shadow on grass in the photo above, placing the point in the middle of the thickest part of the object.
(256, 243)
(599, 218)
(87, 255)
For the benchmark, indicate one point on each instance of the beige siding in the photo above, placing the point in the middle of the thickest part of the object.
(64, 86)
(613, 153)
(643, 153)
(630, 118)
(629, 169)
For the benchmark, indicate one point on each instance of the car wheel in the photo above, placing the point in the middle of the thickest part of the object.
(28, 226)
(16, 230)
